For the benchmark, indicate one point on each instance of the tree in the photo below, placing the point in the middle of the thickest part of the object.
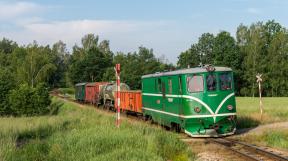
(277, 55)
(36, 65)
(205, 48)
(89, 41)
(60, 58)
(189, 57)
(254, 52)
(7, 83)
(6, 49)
(226, 53)
(89, 63)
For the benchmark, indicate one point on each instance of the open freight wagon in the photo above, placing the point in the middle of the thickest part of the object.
(131, 101)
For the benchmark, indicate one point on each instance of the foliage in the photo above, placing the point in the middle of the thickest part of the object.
(29, 101)
(89, 63)
(7, 83)
(134, 65)
(258, 48)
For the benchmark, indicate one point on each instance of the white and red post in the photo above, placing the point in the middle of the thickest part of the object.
(117, 99)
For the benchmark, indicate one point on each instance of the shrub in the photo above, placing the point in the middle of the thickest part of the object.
(29, 101)
(67, 91)
(6, 84)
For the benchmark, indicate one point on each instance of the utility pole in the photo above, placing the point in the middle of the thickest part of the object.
(117, 99)
(259, 80)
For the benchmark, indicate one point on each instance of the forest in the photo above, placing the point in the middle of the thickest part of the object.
(28, 72)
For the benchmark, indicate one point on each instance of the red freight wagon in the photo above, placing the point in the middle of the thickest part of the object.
(92, 91)
(131, 101)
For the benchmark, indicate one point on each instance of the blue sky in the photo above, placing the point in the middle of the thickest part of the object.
(167, 26)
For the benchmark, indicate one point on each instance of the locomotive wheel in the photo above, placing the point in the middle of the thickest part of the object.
(175, 127)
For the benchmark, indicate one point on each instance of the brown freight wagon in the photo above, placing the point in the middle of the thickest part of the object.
(131, 101)
(92, 92)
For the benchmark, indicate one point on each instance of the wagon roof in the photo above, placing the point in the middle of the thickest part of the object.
(96, 83)
(185, 71)
(80, 84)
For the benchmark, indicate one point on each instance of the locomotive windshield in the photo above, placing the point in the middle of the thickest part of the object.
(225, 81)
(211, 82)
(195, 83)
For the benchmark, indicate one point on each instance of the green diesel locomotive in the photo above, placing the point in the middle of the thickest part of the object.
(199, 101)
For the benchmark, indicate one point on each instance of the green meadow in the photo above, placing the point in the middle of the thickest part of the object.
(275, 110)
(86, 134)
(248, 111)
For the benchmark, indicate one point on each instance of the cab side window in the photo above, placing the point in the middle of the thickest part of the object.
(195, 83)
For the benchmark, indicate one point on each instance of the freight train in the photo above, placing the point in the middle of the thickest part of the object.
(198, 101)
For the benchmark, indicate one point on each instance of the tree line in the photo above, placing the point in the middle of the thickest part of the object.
(26, 70)
(258, 48)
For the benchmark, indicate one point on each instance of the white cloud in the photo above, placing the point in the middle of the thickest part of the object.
(17, 9)
(72, 31)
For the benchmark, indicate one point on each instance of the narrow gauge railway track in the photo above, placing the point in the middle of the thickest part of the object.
(249, 151)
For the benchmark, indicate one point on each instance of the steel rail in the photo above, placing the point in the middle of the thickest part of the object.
(251, 152)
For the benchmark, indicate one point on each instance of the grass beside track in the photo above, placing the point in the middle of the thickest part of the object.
(276, 138)
(86, 134)
(275, 110)
(248, 112)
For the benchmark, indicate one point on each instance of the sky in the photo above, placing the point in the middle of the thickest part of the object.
(167, 26)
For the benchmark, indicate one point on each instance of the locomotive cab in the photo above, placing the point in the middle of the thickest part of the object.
(211, 100)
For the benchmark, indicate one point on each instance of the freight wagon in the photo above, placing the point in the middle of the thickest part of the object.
(131, 101)
(80, 92)
(92, 92)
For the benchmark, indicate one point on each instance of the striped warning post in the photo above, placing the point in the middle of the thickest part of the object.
(117, 99)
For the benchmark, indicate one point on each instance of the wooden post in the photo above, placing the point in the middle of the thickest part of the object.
(259, 80)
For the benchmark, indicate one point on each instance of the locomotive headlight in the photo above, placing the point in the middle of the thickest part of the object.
(197, 109)
(230, 107)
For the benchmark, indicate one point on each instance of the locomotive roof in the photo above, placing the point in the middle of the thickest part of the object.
(185, 71)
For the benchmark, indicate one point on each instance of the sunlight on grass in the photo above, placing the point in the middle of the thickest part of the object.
(276, 138)
(248, 113)
(86, 134)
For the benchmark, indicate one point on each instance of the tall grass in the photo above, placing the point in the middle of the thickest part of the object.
(273, 138)
(248, 112)
(86, 134)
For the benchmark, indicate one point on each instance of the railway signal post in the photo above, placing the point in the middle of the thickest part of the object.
(259, 80)
(117, 99)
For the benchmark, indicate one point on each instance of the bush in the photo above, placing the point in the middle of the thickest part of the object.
(7, 83)
(67, 91)
(29, 101)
